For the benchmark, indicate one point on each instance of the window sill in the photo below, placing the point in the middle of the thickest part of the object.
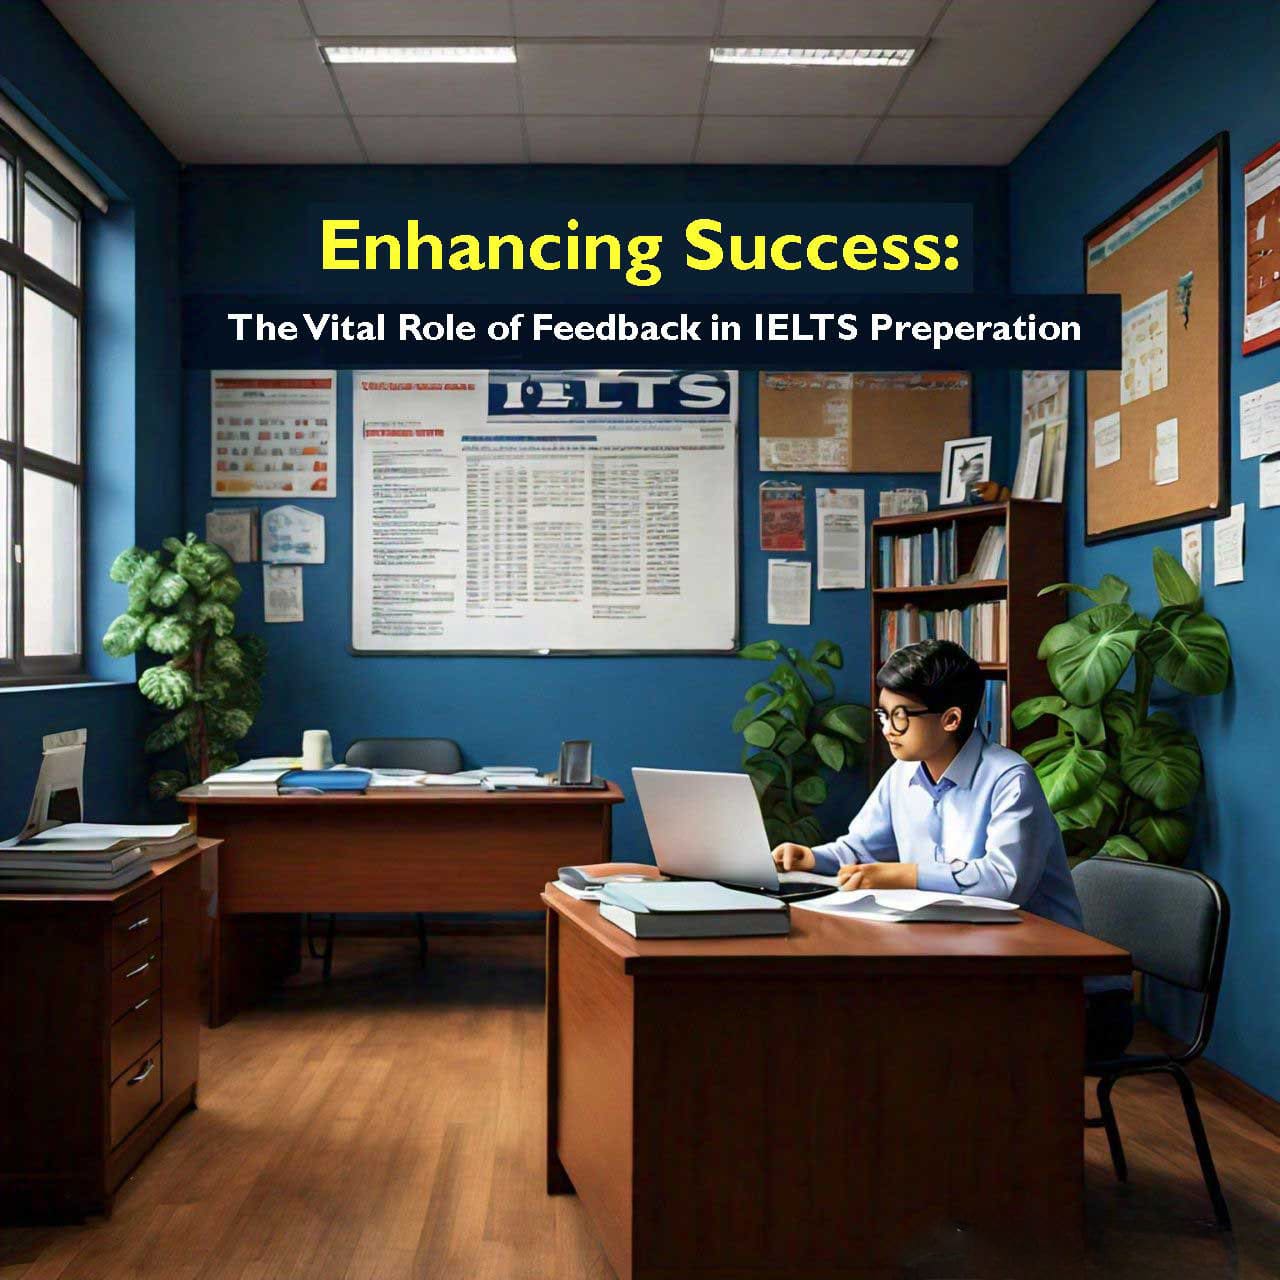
(76, 682)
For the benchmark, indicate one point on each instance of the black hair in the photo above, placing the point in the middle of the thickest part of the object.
(940, 674)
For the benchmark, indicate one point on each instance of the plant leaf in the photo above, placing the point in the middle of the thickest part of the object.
(1119, 714)
(828, 653)
(170, 732)
(126, 634)
(776, 831)
(789, 741)
(1174, 584)
(217, 615)
(170, 635)
(168, 589)
(226, 589)
(254, 649)
(1165, 836)
(809, 829)
(166, 686)
(811, 790)
(1189, 650)
(226, 656)
(1069, 776)
(166, 782)
(812, 669)
(1161, 764)
(761, 650)
(1042, 748)
(1086, 721)
(233, 724)
(849, 720)
(759, 733)
(830, 751)
(761, 689)
(125, 565)
(1110, 590)
(1088, 655)
(1123, 847)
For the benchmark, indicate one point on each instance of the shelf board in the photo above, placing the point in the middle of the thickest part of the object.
(988, 584)
(941, 515)
(995, 668)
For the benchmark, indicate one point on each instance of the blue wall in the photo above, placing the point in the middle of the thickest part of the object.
(1189, 69)
(132, 395)
(665, 711)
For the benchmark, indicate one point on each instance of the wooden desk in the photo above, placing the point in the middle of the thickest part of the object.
(100, 1009)
(391, 849)
(853, 1100)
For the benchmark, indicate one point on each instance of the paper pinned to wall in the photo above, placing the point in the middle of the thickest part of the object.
(842, 539)
(1164, 468)
(1260, 421)
(1269, 482)
(1042, 457)
(1228, 547)
(781, 516)
(1106, 440)
(235, 530)
(281, 593)
(292, 535)
(1144, 348)
(1193, 551)
(789, 584)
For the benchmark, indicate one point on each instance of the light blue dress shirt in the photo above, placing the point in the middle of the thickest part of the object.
(983, 828)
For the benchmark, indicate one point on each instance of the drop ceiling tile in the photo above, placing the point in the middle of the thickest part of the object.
(782, 139)
(171, 60)
(800, 91)
(616, 17)
(420, 89)
(442, 139)
(264, 140)
(632, 79)
(816, 19)
(983, 140)
(410, 17)
(611, 139)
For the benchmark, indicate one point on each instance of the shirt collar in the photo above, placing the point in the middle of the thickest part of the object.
(959, 772)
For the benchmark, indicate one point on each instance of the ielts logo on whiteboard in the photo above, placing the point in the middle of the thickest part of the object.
(553, 393)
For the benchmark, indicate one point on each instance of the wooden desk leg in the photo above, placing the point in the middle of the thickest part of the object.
(558, 1181)
(250, 955)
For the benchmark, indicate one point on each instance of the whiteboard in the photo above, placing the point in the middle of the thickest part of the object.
(509, 511)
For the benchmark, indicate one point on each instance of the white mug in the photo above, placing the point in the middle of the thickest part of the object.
(317, 749)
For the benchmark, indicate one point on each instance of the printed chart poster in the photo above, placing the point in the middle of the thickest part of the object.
(574, 511)
(273, 433)
(1262, 251)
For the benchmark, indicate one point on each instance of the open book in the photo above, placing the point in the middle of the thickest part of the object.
(912, 906)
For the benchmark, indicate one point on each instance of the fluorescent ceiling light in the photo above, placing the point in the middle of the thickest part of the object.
(454, 53)
(870, 57)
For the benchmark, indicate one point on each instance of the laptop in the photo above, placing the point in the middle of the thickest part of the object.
(707, 826)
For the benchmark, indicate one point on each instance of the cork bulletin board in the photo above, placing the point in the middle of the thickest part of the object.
(1157, 431)
(873, 422)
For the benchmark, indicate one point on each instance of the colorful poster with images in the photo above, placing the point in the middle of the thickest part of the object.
(1262, 251)
(274, 433)
(781, 516)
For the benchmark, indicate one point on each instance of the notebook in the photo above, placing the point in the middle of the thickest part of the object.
(691, 909)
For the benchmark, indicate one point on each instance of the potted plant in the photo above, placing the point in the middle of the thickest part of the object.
(1119, 777)
(180, 606)
(792, 732)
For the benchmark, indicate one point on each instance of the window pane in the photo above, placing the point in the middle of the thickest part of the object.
(6, 328)
(50, 566)
(50, 233)
(6, 198)
(51, 375)
(6, 565)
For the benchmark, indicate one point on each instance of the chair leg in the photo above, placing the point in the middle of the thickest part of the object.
(422, 940)
(326, 970)
(311, 938)
(1113, 1130)
(1207, 1168)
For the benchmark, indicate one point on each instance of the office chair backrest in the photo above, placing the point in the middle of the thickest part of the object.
(1171, 920)
(431, 755)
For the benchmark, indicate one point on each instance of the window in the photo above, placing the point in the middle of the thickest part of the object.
(41, 452)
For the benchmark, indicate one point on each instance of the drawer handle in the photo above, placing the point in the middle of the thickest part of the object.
(138, 924)
(142, 1004)
(142, 968)
(147, 1068)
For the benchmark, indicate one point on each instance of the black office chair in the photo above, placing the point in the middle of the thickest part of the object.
(1174, 923)
(429, 755)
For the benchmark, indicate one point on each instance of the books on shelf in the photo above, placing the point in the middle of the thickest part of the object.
(988, 560)
(930, 558)
(979, 629)
(88, 856)
(992, 715)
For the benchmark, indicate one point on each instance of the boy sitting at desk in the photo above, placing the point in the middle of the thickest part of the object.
(958, 814)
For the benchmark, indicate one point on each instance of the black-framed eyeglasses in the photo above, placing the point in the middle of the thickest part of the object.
(900, 717)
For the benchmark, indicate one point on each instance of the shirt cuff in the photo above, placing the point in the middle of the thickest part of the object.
(825, 861)
(936, 877)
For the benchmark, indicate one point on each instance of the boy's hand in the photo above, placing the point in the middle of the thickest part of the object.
(878, 875)
(794, 857)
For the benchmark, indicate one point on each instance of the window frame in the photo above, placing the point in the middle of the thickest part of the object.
(27, 273)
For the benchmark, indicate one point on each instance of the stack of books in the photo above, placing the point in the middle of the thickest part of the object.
(87, 856)
(988, 560)
(979, 629)
(252, 777)
(919, 559)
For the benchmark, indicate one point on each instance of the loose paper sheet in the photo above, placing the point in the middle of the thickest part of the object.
(789, 582)
(1165, 465)
(292, 535)
(232, 530)
(1260, 421)
(1228, 547)
(281, 593)
(1144, 348)
(842, 539)
(1192, 551)
(1106, 440)
(1269, 482)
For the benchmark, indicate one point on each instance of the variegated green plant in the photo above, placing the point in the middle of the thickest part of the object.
(792, 732)
(1118, 778)
(181, 602)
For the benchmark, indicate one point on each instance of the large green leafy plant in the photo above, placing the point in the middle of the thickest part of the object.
(180, 606)
(793, 730)
(1119, 778)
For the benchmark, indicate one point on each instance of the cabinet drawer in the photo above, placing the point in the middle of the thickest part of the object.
(135, 1095)
(132, 1033)
(131, 930)
(136, 977)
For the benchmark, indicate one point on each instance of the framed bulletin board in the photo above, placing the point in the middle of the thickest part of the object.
(1157, 432)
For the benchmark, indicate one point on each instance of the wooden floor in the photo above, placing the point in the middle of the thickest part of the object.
(390, 1126)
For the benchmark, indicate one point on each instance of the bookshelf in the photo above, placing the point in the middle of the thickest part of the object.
(1033, 558)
